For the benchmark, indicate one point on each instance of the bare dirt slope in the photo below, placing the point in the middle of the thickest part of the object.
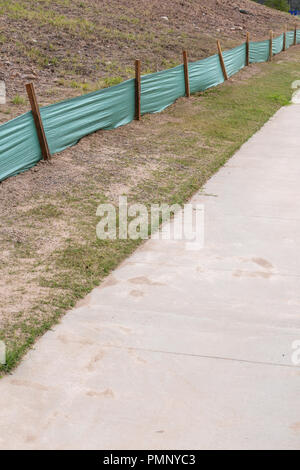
(73, 46)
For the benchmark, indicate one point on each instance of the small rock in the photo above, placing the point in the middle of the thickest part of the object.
(244, 12)
(165, 18)
(29, 77)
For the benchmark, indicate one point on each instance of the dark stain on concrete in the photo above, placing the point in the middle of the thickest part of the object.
(295, 427)
(27, 383)
(136, 293)
(255, 274)
(94, 361)
(263, 263)
(107, 393)
(145, 280)
(111, 281)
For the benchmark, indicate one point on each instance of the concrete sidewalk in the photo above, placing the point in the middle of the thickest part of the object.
(179, 349)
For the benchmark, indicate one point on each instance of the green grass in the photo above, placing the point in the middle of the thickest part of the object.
(111, 81)
(18, 100)
(44, 212)
(192, 141)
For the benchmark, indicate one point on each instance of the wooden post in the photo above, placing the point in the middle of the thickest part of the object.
(38, 121)
(295, 35)
(271, 46)
(222, 61)
(248, 49)
(186, 74)
(284, 39)
(138, 90)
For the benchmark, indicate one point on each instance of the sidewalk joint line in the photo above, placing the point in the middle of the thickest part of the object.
(203, 356)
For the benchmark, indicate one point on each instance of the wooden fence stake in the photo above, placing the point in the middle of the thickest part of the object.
(138, 90)
(284, 39)
(38, 121)
(248, 49)
(186, 74)
(222, 61)
(271, 46)
(295, 35)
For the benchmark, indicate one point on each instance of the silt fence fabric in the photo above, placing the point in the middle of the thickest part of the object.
(159, 90)
(259, 51)
(277, 45)
(205, 73)
(19, 146)
(68, 121)
(290, 37)
(235, 59)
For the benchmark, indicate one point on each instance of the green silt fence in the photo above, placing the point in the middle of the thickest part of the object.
(278, 44)
(66, 122)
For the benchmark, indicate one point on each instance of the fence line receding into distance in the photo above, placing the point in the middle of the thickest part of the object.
(44, 131)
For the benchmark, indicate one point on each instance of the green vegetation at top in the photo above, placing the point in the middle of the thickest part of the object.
(278, 4)
(281, 5)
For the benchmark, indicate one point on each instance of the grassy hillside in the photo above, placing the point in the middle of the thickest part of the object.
(69, 47)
